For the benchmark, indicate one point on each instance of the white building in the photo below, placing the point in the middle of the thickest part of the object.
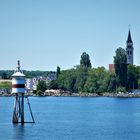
(31, 83)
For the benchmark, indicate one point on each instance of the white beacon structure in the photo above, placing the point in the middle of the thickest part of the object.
(18, 88)
(18, 81)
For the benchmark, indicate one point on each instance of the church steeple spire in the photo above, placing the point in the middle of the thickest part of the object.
(129, 49)
(129, 40)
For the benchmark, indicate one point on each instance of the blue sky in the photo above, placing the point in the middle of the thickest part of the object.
(44, 34)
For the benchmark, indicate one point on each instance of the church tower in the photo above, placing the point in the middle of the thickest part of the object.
(129, 49)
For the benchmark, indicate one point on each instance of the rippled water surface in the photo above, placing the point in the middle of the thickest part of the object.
(73, 118)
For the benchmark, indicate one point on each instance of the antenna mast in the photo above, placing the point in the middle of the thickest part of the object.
(18, 65)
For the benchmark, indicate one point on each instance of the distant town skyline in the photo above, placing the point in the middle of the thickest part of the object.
(46, 34)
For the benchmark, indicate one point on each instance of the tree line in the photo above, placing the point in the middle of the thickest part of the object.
(84, 78)
(6, 74)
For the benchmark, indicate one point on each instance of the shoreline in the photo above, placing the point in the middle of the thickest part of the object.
(115, 95)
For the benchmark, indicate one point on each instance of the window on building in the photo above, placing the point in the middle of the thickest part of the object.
(128, 52)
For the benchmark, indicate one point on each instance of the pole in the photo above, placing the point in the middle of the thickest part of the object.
(15, 114)
(22, 109)
(30, 110)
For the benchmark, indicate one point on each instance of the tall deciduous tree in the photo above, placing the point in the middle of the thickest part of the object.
(58, 71)
(138, 76)
(85, 60)
(132, 77)
(120, 62)
(111, 82)
(81, 77)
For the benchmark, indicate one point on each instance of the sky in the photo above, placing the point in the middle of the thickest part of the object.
(44, 34)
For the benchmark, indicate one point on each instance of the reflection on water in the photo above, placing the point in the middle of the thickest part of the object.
(18, 132)
(22, 132)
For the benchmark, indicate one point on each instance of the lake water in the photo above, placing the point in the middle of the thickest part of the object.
(73, 118)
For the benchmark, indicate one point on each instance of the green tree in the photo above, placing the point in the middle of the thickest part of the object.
(67, 80)
(120, 62)
(53, 84)
(102, 79)
(4, 75)
(91, 82)
(96, 80)
(41, 86)
(58, 71)
(111, 82)
(132, 77)
(138, 75)
(81, 77)
(85, 60)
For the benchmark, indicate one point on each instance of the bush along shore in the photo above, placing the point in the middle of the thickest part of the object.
(69, 94)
